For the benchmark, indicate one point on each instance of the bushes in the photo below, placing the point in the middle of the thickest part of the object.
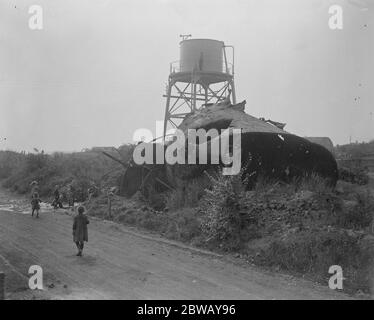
(9, 161)
(361, 214)
(80, 169)
(223, 221)
(355, 150)
(187, 197)
(182, 224)
(356, 175)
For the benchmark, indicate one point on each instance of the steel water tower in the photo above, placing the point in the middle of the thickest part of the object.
(201, 76)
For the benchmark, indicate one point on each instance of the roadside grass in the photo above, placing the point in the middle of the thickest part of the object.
(313, 252)
(182, 224)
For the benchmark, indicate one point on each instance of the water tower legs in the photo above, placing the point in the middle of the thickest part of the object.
(182, 97)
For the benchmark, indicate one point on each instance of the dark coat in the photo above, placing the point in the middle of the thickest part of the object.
(80, 232)
(35, 204)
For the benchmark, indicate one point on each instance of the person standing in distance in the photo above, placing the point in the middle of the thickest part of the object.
(80, 230)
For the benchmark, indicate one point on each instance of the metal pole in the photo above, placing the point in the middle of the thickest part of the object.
(233, 92)
(167, 111)
(192, 91)
(194, 96)
(2, 286)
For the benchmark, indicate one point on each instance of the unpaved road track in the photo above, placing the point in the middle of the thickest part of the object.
(118, 264)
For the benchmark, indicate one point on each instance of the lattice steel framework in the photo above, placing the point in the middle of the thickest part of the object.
(188, 91)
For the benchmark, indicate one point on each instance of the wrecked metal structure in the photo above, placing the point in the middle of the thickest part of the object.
(266, 151)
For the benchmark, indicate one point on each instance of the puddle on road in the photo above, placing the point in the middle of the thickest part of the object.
(23, 205)
(22, 209)
(7, 207)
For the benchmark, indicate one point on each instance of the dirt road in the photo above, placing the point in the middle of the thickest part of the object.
(120, 264)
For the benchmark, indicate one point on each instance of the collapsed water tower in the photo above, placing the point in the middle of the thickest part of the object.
(203, 75)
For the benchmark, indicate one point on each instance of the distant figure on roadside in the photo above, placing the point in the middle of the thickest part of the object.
(110, 194)
(71, 193)
(34, 187)
(91, 193)
(57, 199)
(80, 232)
(35, 204)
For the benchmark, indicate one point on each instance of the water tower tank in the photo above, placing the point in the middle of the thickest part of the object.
(201, 54)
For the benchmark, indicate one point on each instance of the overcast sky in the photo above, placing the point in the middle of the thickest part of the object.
(98, 69)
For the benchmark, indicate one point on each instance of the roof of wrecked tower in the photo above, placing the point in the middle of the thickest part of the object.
(225, 115)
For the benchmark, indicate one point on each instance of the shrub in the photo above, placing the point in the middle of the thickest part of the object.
(361, 214)
(357, 175)
(222, 220)
(187, 197)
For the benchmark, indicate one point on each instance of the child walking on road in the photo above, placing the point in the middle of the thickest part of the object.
(80, 233)
(35, 200)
